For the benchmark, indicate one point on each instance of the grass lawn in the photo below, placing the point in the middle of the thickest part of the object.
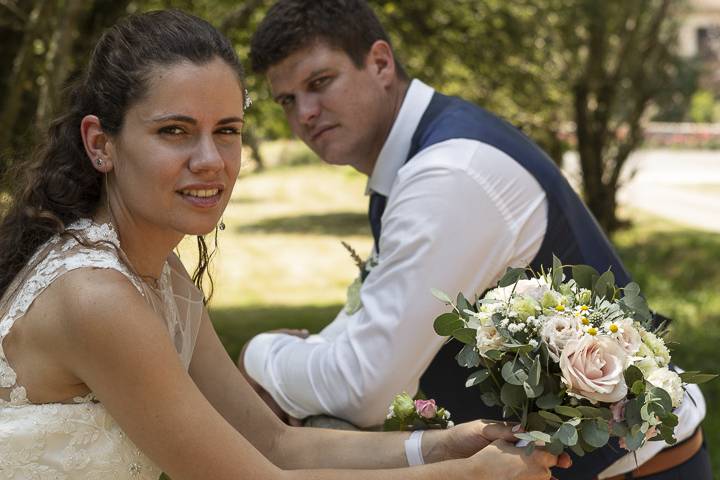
(281, 264)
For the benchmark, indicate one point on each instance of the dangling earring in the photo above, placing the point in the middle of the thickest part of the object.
(221, 225)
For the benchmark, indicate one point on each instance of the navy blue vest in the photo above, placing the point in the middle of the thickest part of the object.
(572, 235)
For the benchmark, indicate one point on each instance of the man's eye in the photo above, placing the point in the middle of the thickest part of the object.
(319, 82)
(171, 130)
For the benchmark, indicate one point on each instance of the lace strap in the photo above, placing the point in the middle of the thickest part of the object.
(57, 257)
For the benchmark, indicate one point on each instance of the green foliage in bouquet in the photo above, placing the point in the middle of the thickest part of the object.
(575, 361)
(420, 414)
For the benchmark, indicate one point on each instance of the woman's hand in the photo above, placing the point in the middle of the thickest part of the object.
(466, 439)
(503, 460)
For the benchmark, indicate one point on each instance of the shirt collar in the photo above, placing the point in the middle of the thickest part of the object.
(395, 149)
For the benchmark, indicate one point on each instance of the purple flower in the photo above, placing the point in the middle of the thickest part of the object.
(426, 408)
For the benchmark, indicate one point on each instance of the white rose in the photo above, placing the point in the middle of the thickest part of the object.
(488, 338)
(558, 330)
(592, 367)
(534, 288)
(670, 382)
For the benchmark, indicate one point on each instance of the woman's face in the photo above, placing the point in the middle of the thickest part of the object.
(177, 155)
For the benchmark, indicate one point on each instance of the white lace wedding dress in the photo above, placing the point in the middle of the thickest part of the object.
(80, 440)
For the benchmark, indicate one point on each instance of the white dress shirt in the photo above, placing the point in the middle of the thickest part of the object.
(458, 214)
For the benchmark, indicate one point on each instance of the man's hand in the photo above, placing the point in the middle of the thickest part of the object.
(266, 397)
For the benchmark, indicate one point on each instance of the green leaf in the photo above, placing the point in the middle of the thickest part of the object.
(632, 375)
(595, 433)
(512, 395)
(567, 434)
(511, 276)
(447, 323)
(584, 276)
(535, 422)
(604, 285)
(670, 420)
(697, 377)
(578, 450)
(632, 411)
(513, 374)
(440, 295)
(465, 335)
(619, 429)
(533, 391)
(592, 412)
(555, 447)
(461, 303)
(637, 305)
(496, 355)
(535, 371)
(638, 387)
(661, 397)
(477, 377)
(557, 272)
(634, 440)
(468, 357)
(534, 436)
(548, 401)
(568, 411)
(490, 399)
(632, 289)
(550, 417)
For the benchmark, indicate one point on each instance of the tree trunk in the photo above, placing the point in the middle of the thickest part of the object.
(20, 76)
(57, 62)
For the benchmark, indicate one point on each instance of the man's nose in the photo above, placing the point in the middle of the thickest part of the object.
(308, 109)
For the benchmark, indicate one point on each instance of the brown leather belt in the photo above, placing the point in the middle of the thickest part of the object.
(666, 459)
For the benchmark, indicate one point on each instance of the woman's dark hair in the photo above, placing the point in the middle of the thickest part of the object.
(289, 25)
(58, 184)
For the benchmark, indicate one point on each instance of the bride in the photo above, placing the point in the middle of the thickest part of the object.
(109, 365)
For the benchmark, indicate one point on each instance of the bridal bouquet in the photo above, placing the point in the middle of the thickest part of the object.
(576, 361)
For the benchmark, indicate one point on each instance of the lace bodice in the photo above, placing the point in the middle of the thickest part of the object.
(81, 440)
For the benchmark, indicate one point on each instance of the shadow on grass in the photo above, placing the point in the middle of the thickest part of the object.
(343, 223)
(237, 325)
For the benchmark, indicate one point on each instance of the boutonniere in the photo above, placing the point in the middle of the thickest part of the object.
(353, 302)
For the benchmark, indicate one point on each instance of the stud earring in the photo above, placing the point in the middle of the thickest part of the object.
(99, 162)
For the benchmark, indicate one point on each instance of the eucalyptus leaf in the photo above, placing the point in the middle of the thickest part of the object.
(534, 373)
(535, 421)
(468, 357)
(461, 303)
(491, 399)
(567, 434)
(696, 377)
(592, 412)
(555, 447)
(632, 411)
(557, 272)
(550, 417)
(533, 391)
(632, 375)
(578, 450)
(511, 276)
(440, 295)
(447, 323)
(634, 440)
(513, 395)
(533, 436)
(632, 289)
(513, 373)
(594, 434)
(465, 335)
(548, 401)
(495, 355)
(584, 276)
(568, 411)
(604, 285)
(477, 377)
(638, 387)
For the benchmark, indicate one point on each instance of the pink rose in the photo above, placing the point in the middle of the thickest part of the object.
(558, 330)
(426, 408)
(592, 367)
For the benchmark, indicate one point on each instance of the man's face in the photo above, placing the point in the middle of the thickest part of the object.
(341, 112)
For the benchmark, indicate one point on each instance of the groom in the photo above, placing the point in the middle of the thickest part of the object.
(456, 196)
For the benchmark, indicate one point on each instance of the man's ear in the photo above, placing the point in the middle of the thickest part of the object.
(97, 143)
(381, 62)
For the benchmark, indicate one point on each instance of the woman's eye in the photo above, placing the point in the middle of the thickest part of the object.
(230, 131)
(172, 130)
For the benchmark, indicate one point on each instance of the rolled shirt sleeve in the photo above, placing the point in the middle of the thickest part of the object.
(455, 220)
